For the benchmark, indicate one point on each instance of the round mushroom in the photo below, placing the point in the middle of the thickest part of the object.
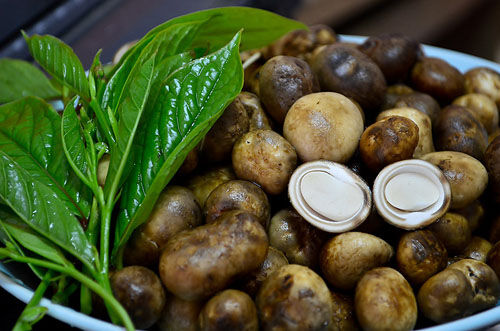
(467, 176)
(387, 141)
(453, 231)
(392, 93)
(300, 43)
(175, 210)
(252, 282)
(385, 301)
(457, 130)
(420, 255)
(237, 195)
(257, 117)
(482, 108)
(203, 184)
(477, 249)
(266, 158)
(346, 257)
(295, 237)
(282, 81)
(179, 314)
(446, 296)
(324, 125)
(344, 316)
(485, 81)
(394, 53)
(348, 71)
(294, 298)
(229, 310)
(425, 144)
(140, 292)
(438, 78)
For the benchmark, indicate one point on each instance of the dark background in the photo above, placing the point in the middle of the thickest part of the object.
(470, 26)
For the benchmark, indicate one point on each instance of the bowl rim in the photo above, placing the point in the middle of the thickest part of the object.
(490, 317)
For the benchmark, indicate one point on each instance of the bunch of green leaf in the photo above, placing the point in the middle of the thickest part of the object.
(147, 113)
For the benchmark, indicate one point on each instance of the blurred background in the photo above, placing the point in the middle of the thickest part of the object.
(470, 26)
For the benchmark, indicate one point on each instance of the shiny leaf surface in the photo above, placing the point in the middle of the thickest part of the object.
(192, 99)
(30, 134)
(260, 28)
(59, 60)
(30, 240)
(7, 215)
(40, 207)
(73, 141)
(172, 40)
(130, 111)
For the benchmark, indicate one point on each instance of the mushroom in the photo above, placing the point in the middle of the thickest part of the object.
(237, 195)
(394, 53)
(346, 257)
(421, 102)
(456, 129)
(485, 81)
(175, 210)
(219, 140)
(389, 140)
(282, 81)
(324, 125)
(467, 176)
(140, 292)
(453, 231)
(294, 298)
(266, 158)
(411, 194)
(385, 301)
(348, 71)
(420, 255)
(425, 144)
(229, 310)
(482, 108)
(329, 196)
(438, 78)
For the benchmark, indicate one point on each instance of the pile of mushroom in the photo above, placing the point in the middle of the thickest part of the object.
(234, 239)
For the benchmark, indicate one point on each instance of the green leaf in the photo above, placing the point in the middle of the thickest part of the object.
(130, 112)
(20, 79)
(59, 60)
(172, 40)
(40, 207)
(6, 215)
(73, 142)
(192, 99)
(260, 28)
(30, 134)
(126, 136)
(32, 241)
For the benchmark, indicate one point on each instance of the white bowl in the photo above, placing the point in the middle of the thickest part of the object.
(17, 288)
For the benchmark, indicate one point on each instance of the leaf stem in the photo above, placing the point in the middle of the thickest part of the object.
(34, 301)
(93, 223)
(98, 289)
(103, 122)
